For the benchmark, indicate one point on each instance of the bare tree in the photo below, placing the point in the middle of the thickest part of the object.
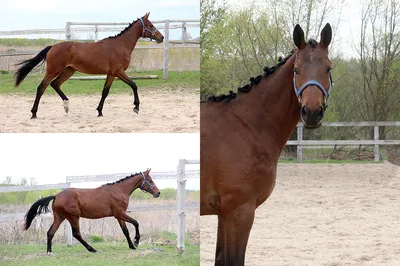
(379, 59)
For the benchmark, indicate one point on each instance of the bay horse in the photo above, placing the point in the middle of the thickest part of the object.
(109, 56)
(243, 134)
(110, 200)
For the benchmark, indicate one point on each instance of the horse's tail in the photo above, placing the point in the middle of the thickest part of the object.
(29, 64)
(39, 207)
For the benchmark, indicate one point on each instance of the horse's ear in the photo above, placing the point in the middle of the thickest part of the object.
(147, 15)
(326, 35)
(298, 37)
(148, 170)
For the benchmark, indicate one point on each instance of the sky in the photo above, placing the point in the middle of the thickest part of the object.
(53, 14)
(49, 158)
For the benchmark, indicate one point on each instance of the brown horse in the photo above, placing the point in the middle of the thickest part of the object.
(105, 201)
(109, 56)
(243, 135)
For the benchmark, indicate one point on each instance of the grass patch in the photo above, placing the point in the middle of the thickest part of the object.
(108, 254)
(189, 79)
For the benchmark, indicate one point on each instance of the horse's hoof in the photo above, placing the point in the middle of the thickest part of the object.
(93, 250)
(136, 110)
(66, 106)
(99, 115)
(49, 253)
(33, 117)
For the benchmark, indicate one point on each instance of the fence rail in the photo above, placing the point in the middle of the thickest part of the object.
(376, 142)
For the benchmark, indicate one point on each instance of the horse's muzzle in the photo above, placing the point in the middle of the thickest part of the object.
(156, 194)
(312, 118)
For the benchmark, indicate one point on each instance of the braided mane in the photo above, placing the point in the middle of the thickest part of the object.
(124, 30)
(253, 81)
(119, 181)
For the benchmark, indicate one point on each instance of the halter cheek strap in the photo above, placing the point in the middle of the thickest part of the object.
(146, 29)
(145, 182)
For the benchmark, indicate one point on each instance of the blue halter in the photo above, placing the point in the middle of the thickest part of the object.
(146, 29)
(313, 82)
(147, 183)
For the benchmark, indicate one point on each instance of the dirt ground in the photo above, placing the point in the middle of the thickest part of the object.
(160, 111)
(323, 215)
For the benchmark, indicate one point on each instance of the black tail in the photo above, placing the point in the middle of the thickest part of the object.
(39, 207)
(29, 64)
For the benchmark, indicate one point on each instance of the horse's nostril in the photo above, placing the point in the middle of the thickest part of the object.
(304, 111)
(321, 112)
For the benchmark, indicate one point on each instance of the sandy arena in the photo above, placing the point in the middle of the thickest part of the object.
(160, 111)
(323, 215)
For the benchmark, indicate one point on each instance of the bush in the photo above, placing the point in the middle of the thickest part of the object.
(97, 239)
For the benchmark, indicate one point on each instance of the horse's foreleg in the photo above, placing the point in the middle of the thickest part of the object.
(122, 76)
(125, 217)
(53, 228)
(126, 233)
(104, 94)
(56, 84)
(74, 221)
(237, 224)
(220, 249)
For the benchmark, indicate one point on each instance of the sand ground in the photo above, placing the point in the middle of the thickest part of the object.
(323, 215)
(160, 111)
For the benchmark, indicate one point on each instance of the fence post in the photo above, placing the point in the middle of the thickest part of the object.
(68, 31)
(299, 147)
(184, 35)
(68, 229)
(96, 33)
(181, 180)
(376, 148)
(166, 44)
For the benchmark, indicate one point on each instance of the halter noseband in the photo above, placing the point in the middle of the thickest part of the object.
(146, 29)
(145, 182)
(313, 82)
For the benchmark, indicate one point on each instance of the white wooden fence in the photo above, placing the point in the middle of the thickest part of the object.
(96, 27)
(300, 143)
(181, 175)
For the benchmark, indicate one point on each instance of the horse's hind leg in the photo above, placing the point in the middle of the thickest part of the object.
(74, 221)
(126, 233)
(56, 84)
(106, 89)
(237, 224)
(125, 217)
(40, 90)
(122, 76)
(52, 230)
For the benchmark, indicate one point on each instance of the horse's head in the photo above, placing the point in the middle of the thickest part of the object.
(148, 184)
(312, 75)
(149, 31)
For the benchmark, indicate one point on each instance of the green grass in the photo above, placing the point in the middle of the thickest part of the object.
(186, 80)
(107, 254)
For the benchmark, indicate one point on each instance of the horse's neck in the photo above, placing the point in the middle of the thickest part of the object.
(271, 108)
(131, 36)
(129, 185)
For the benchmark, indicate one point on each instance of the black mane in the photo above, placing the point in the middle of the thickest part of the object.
(124, 30)
(123, 179)
(253, 81)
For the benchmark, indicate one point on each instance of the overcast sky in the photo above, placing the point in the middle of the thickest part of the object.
(49, 158)
(53, 14)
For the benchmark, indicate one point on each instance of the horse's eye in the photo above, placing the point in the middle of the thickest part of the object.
(295, 70)
(329, 69)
